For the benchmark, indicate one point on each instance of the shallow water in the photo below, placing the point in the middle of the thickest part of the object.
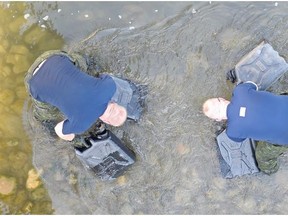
(183, 58)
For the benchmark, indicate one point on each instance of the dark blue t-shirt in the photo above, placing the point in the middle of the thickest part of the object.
(259, 115)
(81, 98)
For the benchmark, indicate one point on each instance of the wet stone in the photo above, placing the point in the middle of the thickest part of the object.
(7, 185)
(32, 180)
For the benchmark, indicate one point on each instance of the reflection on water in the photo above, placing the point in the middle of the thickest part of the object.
(183, 59)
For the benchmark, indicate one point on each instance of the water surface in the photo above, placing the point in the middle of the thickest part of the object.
(183, 55)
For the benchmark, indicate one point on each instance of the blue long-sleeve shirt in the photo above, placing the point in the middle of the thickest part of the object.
(259, 115)
(81, 98)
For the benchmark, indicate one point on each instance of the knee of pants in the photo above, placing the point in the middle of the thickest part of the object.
(265, 151)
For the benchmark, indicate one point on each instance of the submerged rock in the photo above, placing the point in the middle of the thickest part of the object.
(7, 185)
(32, 180)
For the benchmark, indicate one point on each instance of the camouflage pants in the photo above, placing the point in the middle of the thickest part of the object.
(267, 156)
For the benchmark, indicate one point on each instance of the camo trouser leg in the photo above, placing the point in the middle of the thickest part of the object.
(267, 156)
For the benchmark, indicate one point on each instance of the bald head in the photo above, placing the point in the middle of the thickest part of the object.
(215, 108)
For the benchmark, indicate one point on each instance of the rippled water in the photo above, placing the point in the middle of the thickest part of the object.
(183, 58)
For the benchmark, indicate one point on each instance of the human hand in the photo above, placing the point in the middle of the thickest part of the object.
(58, 129)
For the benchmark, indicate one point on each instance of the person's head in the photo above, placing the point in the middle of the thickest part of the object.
(114, 115)
(215, 108)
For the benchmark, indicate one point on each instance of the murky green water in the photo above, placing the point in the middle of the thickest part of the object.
(182, 52)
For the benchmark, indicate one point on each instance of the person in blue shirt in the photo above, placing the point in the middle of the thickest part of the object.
(259, 115)
(80, 97)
